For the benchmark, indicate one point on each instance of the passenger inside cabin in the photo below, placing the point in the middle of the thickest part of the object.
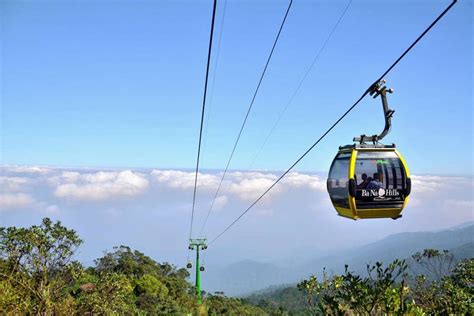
(364, 182)
(375, 183)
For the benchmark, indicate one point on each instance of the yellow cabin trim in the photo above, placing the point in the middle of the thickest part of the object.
(405, 202)
(407, 172)
(345, 212)
(352, 163)
(379, 213)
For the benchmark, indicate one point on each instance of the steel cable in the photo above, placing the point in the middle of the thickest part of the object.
(202, 116)
(246, 116)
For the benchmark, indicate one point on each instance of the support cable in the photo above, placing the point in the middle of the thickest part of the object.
(315, 59)
(202, 116)
(247, 115)
(211, 92)
(337, 121)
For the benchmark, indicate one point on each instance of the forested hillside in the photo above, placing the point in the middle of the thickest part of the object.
(38, 275)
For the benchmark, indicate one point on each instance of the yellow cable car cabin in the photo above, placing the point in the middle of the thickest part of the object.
(369, 179)
(369, 182)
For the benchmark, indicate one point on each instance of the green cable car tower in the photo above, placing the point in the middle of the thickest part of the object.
(198, 244)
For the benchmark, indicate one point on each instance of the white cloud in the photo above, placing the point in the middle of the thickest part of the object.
(64, 177)
(70, 176)
(26, 169)
(246, 186)
(250, 189)
(25, 190)
(159, 202)
(100, 185)
(424, 184)
(299, 180)
(220, 202)
(250, 185)
(15, 200)
(239, 175)
(13, 184)
(185, 180)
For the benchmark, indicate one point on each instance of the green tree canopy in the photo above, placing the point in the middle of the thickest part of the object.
(37, 265)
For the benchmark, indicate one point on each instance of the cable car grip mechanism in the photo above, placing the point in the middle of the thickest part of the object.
(379, 89)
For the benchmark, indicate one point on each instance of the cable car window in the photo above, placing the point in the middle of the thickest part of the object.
(380, 180)
(338, 181)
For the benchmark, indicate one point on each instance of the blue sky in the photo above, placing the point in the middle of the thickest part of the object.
(119, 83)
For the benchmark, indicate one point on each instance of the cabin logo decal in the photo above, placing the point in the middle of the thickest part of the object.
(381, 193)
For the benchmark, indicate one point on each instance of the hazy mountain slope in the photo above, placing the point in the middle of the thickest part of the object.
(248, 276)
(290, 299)
(401, 245)
(238, 278)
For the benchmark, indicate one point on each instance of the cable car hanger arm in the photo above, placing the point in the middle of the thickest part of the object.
(379, 89)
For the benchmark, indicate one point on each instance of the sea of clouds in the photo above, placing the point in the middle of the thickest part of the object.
(150, 209)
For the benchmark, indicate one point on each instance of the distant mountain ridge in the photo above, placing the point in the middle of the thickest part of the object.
(249, 276)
